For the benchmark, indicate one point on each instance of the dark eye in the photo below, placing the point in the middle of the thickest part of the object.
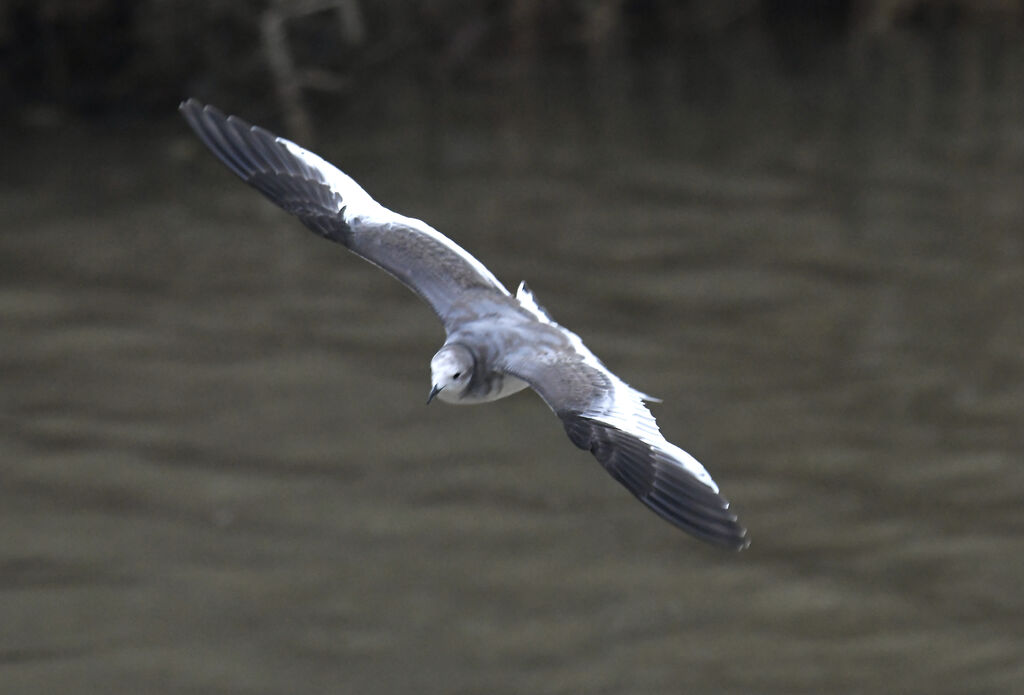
(457, 375)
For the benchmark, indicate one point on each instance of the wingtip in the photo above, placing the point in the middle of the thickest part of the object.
(193, 109)
(736, 539)
(743, 542)
(735, 536)
(191, 104)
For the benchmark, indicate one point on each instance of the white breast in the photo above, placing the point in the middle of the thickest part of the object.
(505, 386)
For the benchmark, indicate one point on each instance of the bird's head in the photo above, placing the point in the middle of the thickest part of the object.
(450, 372)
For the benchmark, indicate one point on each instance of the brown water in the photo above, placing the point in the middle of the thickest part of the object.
(218, 474)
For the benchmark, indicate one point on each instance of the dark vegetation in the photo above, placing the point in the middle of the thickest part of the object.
(89, 58)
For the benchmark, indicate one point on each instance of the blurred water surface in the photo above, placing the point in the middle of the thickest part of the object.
(218, 474)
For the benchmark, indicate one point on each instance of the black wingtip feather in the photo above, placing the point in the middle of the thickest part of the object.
(660, 483)
(263, 161)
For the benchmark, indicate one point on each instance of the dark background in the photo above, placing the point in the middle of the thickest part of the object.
(800, 224)
(104, 59)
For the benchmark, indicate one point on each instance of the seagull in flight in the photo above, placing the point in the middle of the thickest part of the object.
(497, 343)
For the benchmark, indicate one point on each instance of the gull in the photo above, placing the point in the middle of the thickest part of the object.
(496, 344)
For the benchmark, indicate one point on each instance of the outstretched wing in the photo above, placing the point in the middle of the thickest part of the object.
(607, 417)
(330, 203)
